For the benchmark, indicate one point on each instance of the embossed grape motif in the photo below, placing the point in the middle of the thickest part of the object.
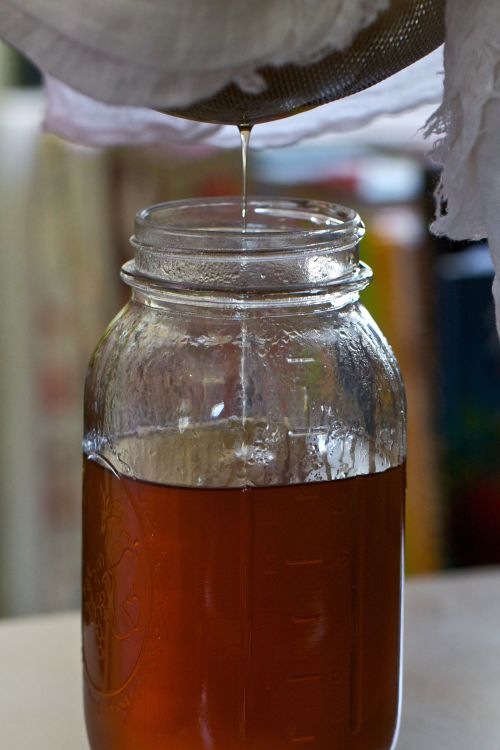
(115, 600)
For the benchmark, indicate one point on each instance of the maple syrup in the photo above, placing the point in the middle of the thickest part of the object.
(245, 132)
(261, 618)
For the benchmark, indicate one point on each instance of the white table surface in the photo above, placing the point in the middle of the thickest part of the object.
(451, 684)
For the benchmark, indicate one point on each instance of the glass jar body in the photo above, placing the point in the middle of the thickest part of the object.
(243, 509)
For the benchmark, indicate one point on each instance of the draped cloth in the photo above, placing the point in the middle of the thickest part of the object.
(166, 54)
(468, 123)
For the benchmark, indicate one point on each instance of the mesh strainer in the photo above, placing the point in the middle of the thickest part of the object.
(407, 31)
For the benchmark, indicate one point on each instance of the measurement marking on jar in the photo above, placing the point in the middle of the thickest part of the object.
(308, 739)
(246, 544)
(357, 656)
(300, 360)
(305, 620)
(303, 563)
(306, 678)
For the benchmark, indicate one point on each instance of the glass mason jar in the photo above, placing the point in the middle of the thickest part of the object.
(243, 490)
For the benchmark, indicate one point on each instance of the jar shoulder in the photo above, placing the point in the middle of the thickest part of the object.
(146, 352)
(294, 384)
(139, 334)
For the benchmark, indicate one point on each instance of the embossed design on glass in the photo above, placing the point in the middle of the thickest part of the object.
(116, 585)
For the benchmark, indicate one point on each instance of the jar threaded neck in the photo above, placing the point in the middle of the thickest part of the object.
(289, 245)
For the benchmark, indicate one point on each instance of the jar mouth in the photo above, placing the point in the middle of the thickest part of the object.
(287, 244)
(215, 224)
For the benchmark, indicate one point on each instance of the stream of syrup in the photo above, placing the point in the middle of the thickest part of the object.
(245, 132)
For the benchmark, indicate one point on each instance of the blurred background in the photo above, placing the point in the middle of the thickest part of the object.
(66, 213)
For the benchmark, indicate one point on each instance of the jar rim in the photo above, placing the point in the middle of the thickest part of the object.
(271, 223)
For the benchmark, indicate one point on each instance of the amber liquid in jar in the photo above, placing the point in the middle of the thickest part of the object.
(242, 618)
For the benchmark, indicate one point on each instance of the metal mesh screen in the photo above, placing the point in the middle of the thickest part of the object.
(407, 31)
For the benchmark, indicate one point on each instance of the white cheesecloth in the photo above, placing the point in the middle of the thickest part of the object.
(115, 52)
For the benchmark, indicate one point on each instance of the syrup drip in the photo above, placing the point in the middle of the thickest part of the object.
(245, 131)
